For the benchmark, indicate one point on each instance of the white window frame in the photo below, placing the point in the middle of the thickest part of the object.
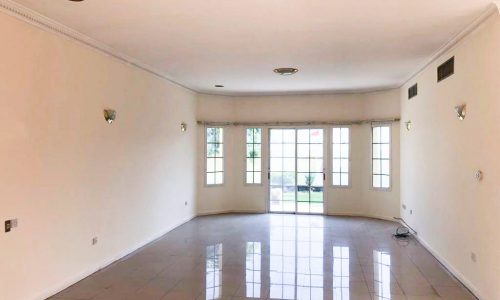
(261, 158)
(349, 173)
(382, 189)
(205, 143)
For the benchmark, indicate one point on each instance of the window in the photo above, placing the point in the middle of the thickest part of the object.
(340, 156)
(253, 270)
(254, 156)
(215, 156)
(381, 156)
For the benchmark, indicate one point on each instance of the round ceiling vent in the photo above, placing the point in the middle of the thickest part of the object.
(286, 71)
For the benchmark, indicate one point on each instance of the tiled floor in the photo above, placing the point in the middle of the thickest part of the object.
(275, 257)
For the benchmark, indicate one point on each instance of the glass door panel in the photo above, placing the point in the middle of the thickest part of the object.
(296, 170)
(282, 170)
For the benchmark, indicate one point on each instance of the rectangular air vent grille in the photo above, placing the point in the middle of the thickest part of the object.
(412, 91)
(446, 69)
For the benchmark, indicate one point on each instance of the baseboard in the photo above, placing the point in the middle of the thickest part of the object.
(74, 279)
(223, 212)
(362, 216)
(458, 275)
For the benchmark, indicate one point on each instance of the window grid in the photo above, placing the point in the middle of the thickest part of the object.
(340, 156)
(214, 156)
(341, 273)
(381, 157)
(253, 156)
(213, 281)
(253, 270)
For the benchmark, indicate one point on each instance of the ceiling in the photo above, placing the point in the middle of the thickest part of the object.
(337, 45)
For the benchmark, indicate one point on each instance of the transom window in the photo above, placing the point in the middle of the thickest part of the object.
(215, 156)
(381, 156)
(340, 156)
(254, 156)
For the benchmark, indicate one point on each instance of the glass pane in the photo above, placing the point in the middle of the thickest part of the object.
(257, 132)
(289, 136)
(344, 179)
(257, 178)
(276, 178)
(276, 193)
(345, 135)
(249, 177)
(303, 207)
(289, 164)
(210, 165)
(302, 179)
(316, 136)
(385, 134)
(344, 150)
(257, 164)
(336, 150)
(302, 165)
(316, 165)
(289, 206)
(219, 178)
(376, 181)
(303, 150)
(210, 178)
(376, 134)
(219, 164)
(376, 166)
(289, 178)
(316, 150)
(345, 165)
(250, 164)
(316, 180)
(376, 151)
(250, 151)
(336, 165)
(385, 151)
(250, 135)
(336, 178)
(303, 136)
(276, 164)
(219, 135)
(336, 135)
(276, 150)
(318, 209)
(289, 150)
(276, 136)
(258, 150)
(385, 182)
(385, 167)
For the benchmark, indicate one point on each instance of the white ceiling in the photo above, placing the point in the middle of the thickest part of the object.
(338, 45)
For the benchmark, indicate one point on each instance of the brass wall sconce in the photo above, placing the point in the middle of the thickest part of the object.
(461, 111)
(109, 115)
(409, 125)
(183, 127)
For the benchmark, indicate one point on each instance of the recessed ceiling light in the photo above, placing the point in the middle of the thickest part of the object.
(286, 71)
(219, 86)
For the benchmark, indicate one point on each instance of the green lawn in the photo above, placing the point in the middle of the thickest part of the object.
(304, 197)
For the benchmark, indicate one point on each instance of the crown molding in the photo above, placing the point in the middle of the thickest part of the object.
(34, 18)
(493, 8)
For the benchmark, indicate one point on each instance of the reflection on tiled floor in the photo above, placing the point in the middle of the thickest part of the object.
(275, 257)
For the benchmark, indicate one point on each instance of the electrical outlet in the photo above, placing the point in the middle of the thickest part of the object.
(185, 203)
(411, 211)
(8, 225)
(473, 256)
(94, 241)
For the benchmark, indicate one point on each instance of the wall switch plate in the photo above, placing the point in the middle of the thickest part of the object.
(473, 257)
(411, 211)
(185, 203)
(94, 241)
(404, 206)
(8, 225)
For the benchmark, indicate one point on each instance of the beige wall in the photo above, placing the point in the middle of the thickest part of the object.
(453, 213)
(359, 199)
(69, 176)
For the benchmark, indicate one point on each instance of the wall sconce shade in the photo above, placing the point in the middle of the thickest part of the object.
(409, 125)
(461, 110)
(109, 115)
(183, 127)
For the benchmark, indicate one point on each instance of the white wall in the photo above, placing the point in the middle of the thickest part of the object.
(69, 176)
(359, 199)
(453, 213)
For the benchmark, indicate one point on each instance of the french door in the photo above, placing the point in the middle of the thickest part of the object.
(296, 170)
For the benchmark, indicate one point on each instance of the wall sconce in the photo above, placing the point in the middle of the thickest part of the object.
(409, 125)
(109, 115)
(183, 127)
(461, 110)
